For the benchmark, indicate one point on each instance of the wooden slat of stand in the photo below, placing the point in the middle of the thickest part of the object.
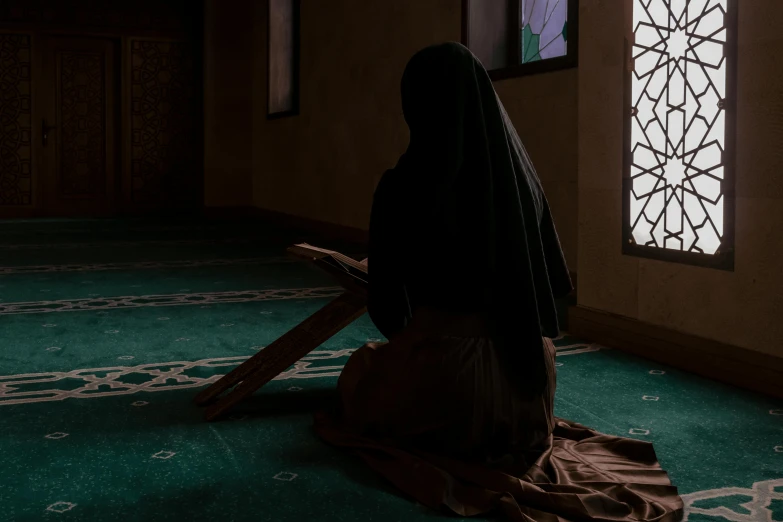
(285, 351)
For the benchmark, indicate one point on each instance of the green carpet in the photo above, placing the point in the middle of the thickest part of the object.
(109, 328)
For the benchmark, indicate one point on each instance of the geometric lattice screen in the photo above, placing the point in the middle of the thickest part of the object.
(544, 29)
(678, 134)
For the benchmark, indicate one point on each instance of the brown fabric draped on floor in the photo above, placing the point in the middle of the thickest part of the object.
(433, 412)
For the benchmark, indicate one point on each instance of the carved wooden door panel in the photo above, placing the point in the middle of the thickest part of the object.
(162, 163)
(77, 110)
(16, 151)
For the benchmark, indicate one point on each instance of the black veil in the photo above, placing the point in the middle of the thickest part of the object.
(475, 214)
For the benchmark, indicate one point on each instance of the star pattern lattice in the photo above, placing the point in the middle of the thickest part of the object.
(678, 125)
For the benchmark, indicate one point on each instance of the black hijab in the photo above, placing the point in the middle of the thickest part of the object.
(478, 192)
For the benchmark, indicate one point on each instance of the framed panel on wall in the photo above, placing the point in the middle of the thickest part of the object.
(680, 124)
(520, 37)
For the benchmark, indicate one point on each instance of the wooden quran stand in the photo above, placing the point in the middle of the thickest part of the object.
(298, 342)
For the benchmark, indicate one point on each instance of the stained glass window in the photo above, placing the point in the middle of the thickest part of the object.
(544, 29)
(677, 163)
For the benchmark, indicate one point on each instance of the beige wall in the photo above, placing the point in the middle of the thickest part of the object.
(741, 307)
(543, 108)
(228, 103)
(324, 164)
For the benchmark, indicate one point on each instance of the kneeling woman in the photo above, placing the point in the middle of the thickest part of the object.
(464, 268)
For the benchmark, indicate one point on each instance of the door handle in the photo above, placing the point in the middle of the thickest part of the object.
(45, 130)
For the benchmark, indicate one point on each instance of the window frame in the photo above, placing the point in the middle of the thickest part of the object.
(295, 61)
(569, 61)
(723, 259)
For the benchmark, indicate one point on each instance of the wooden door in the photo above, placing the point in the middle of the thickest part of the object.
(77, 109)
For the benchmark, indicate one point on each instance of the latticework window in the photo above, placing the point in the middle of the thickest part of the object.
(679, 179)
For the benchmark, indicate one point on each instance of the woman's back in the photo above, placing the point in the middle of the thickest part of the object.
(408, 249)
(491, 419)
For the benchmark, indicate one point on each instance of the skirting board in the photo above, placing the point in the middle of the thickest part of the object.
(322, 228)
(316, 227)
(732, 365)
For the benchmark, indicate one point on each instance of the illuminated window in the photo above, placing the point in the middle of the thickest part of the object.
(678, 193)
(283, 55)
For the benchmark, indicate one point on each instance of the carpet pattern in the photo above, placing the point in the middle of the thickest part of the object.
(109, 328)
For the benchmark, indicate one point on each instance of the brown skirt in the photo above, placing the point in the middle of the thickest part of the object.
(436, 415)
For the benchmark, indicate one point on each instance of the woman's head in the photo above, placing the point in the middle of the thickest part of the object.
(437, 84)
